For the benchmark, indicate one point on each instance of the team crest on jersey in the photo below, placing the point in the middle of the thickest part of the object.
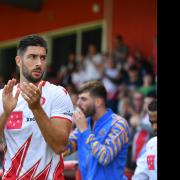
(15, 120)
(102, 132)
(43, 100)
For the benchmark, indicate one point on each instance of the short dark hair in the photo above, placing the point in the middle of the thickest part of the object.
(152, 107)
(30, 40)
(95, 88)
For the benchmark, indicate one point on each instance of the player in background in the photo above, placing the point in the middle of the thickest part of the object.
(147, 163)
(101, 138)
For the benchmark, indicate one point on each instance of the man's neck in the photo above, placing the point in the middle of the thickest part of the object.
(99, 113)
(24, 80)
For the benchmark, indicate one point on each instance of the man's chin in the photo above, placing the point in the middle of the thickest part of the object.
(35, 80)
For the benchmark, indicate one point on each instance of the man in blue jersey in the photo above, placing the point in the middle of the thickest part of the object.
(101, 136)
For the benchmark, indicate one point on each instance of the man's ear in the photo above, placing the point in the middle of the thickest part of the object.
(18, 60)
(98, 101)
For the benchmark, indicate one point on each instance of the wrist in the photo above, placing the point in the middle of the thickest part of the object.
(36, 109)
(83, 129)
(6, 115)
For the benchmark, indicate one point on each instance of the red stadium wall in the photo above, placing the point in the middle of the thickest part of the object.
(55, 14)
(136, 21)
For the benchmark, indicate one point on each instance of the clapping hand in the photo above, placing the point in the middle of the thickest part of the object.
(32, 94)
(10, 101)
(80, 119)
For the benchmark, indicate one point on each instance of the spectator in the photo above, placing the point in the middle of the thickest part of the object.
(144, 64)
(72, 63)
(141, 134)
(137, 102)
(64, 74)
(79, 74)
(51, 75)
(120, 51)
(110, 73)
(124, 104)
(93, 64)
(148, 85)
(134, 81)
(147, 164)
(101, 139)
(131, 61)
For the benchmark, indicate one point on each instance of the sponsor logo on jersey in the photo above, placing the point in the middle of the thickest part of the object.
(102, 132)
(30, 119)
(69, 113)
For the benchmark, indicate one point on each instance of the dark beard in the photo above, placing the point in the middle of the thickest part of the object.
(28, 76)
(31, 79)
(91, 111)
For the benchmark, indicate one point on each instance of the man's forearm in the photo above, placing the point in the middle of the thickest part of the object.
(106, 152)
(69, 148)
(72, 143)
(55, 138)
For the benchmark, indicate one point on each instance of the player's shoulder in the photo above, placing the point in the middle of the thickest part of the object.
(55, 89)
(120, 123)
(152, 143)
(119, 119)
(152, 140)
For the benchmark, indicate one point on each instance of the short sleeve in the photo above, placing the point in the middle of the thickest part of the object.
(61, 104)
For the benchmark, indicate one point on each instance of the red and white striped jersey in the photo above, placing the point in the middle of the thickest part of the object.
(27, 155)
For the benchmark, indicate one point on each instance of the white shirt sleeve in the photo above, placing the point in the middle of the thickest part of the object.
(61, 104)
